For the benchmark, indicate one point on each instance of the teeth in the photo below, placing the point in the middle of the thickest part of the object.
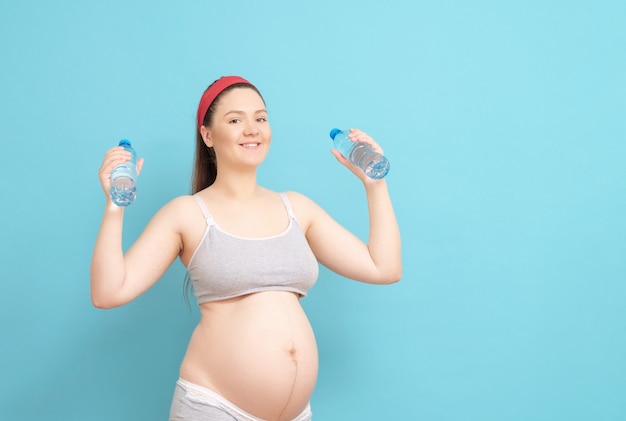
(250, 145)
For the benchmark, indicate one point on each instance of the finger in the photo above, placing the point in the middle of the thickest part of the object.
(111, 162)
(117, 155)
(112, 158)
(349, 165)
(357, 135)
(339, 156)
(139, 165)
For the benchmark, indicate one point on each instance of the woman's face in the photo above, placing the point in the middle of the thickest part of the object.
(240, 133)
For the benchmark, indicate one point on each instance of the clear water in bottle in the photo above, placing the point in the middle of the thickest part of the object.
(372, 163)
(123, 189)
(362, 155)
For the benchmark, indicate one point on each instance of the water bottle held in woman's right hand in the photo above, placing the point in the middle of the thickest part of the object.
(360, 154)
(123, 190)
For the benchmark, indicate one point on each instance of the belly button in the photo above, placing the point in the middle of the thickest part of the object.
(293, 352)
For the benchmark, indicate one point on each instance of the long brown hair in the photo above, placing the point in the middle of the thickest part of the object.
(205, 164)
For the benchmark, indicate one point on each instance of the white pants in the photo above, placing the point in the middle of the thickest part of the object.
(192, 402)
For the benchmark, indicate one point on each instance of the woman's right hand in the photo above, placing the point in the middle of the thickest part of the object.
(115, 156)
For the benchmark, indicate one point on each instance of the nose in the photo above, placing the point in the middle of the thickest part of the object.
(251, 128)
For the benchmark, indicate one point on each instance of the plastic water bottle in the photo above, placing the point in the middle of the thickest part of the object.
(360, 154)
(123, 190)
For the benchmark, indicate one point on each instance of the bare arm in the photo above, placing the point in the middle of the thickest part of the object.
(380, 260)
(118, 278)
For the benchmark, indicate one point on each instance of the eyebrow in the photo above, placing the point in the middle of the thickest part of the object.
(262, 110)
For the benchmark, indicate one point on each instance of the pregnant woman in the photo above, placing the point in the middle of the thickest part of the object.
(251, 254)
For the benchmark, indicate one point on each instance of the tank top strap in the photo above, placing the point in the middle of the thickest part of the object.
(207, 215)
(287, 204)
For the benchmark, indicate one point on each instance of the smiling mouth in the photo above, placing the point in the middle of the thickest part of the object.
(249, 145)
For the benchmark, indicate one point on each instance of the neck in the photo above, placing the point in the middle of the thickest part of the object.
(236, 184)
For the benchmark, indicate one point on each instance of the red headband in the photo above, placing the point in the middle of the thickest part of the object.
(213, 91)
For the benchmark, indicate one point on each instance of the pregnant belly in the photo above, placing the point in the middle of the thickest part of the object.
(258, 351)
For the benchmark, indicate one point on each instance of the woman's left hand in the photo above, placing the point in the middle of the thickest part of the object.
(357, 135)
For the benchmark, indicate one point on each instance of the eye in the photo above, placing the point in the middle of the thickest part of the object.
(234, 121)
(261, 119)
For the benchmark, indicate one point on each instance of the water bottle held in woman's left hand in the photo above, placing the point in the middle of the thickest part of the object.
(360, 154)
(123, 190)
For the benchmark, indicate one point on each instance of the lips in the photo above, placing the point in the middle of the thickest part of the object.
(249, 145)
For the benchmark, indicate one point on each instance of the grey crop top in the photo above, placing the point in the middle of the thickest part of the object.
(227, 266)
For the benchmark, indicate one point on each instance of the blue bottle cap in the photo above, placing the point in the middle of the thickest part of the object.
(333, 133)
(124, 142)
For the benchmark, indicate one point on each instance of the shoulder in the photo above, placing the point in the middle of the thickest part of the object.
(299, 199)
(177, 210)
(305, 209)
(180, 203)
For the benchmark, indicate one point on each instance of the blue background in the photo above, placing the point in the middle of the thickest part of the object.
(505, 125)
